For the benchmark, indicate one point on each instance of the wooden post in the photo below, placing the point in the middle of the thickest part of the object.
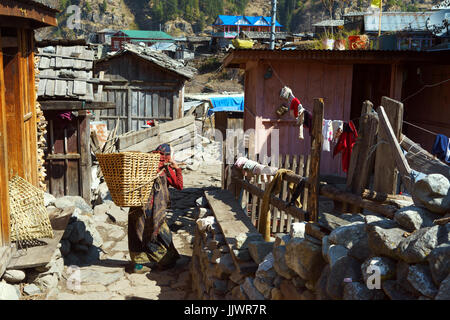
(4, 195)
(361, 164)
(400, 160)
(385, 179)
(316, 150)
(85, 153)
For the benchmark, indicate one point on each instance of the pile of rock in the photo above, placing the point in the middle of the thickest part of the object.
(365, 257)
(18, 284)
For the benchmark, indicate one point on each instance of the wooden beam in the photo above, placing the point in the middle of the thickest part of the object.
(39, 13)
(134, 138)
(275, 201)
(400, 159)
(361, 164)
(385, 179)
(61, 156)
(316, 150)
(4, 169)
(75, 105)
(334, 193)
(85, 160)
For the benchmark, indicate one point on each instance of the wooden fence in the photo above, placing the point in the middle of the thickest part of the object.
(305, 169)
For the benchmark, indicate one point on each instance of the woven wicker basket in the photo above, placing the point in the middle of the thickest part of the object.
(29, 217)
(129, 176)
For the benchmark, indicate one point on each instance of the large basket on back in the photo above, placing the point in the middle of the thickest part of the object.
(129, 176)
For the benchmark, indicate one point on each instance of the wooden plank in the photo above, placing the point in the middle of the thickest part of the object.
(306, 192)
(230, 217)
(334, 193)
(85, 160)
(284, 191)
(41, 255)
(385, 178)
(10, 42)
(128, 140)
(316, 149)
(400, 160)
(5, 257)
(4, 176)
(421, 160)
(75, 105)
(294, 169)
(361, 160)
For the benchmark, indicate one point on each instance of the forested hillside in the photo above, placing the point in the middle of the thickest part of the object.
(196, 16)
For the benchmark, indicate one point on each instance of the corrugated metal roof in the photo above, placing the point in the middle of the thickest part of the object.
(146, 34)
(329, 23)
(396, 21)
(66, 72)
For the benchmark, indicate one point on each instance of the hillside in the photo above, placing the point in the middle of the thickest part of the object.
(185, 17)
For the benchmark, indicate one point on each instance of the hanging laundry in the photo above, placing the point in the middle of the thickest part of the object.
(338, 127)
(345, 144)
(295, 106)
(258, 169)
(66, 115)
(307, 122)
(240, 162)
(300, 120)
(441, 148)
(250, 165)
(327, 134)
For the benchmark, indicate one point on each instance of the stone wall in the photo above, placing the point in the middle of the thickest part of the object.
(411, 255)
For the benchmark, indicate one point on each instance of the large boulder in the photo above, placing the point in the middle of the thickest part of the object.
(265, 276)
(386, 266)
(259, 250)
(416, 247)
(353, 237)
(419, 277)
(439, 262)
(14, 276)
(336, 252)
(413, 218)
(305, 258)
(402, 279)
(384, 236)
(359, 291)
(432, 192)
(321, 284)
(280, 264)
(444, 290)
(347, 268)
(250, 290)
(395, 292)
(8, 292)
(289, 291)
(73, 201)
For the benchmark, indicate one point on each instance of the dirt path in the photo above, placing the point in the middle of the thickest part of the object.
(107, 280)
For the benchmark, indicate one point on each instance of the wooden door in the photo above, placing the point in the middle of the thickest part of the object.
(67, 156)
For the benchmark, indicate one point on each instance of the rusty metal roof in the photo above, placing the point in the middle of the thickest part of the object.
(238, 58)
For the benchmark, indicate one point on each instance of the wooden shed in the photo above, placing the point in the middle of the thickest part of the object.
(344, 79)
(18, 132)
(146, 85)
(67, 91)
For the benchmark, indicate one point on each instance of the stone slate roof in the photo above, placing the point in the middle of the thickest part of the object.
(159, 58)
(66, 73)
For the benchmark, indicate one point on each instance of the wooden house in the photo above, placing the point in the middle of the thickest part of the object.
(18, 132)
(145, 85)
(122, 37)
(345, 79)
(67, 91)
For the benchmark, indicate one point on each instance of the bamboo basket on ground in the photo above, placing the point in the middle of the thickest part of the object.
(29, 217)
(129, 176)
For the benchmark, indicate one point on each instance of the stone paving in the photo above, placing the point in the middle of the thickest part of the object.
(106, 279)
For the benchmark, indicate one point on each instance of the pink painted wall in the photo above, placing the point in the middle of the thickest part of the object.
(308, 80)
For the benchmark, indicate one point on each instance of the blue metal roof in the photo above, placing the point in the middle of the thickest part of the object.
(223, 20)
(235, 104)
(397, 21)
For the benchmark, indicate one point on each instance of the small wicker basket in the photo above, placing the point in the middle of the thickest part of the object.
(129, 176)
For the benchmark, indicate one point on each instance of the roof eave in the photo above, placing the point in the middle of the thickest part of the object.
(38, 14)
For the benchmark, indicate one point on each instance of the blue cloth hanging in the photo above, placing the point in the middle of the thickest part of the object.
(441, 148)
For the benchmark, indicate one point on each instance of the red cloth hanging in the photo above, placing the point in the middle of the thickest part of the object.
(345, 144)
(294, 106)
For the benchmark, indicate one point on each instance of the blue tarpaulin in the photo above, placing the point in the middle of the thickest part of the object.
(233, 104)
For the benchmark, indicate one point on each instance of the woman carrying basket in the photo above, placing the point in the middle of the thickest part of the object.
(149, 236)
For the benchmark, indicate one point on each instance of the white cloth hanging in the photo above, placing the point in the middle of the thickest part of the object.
(327, 134)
